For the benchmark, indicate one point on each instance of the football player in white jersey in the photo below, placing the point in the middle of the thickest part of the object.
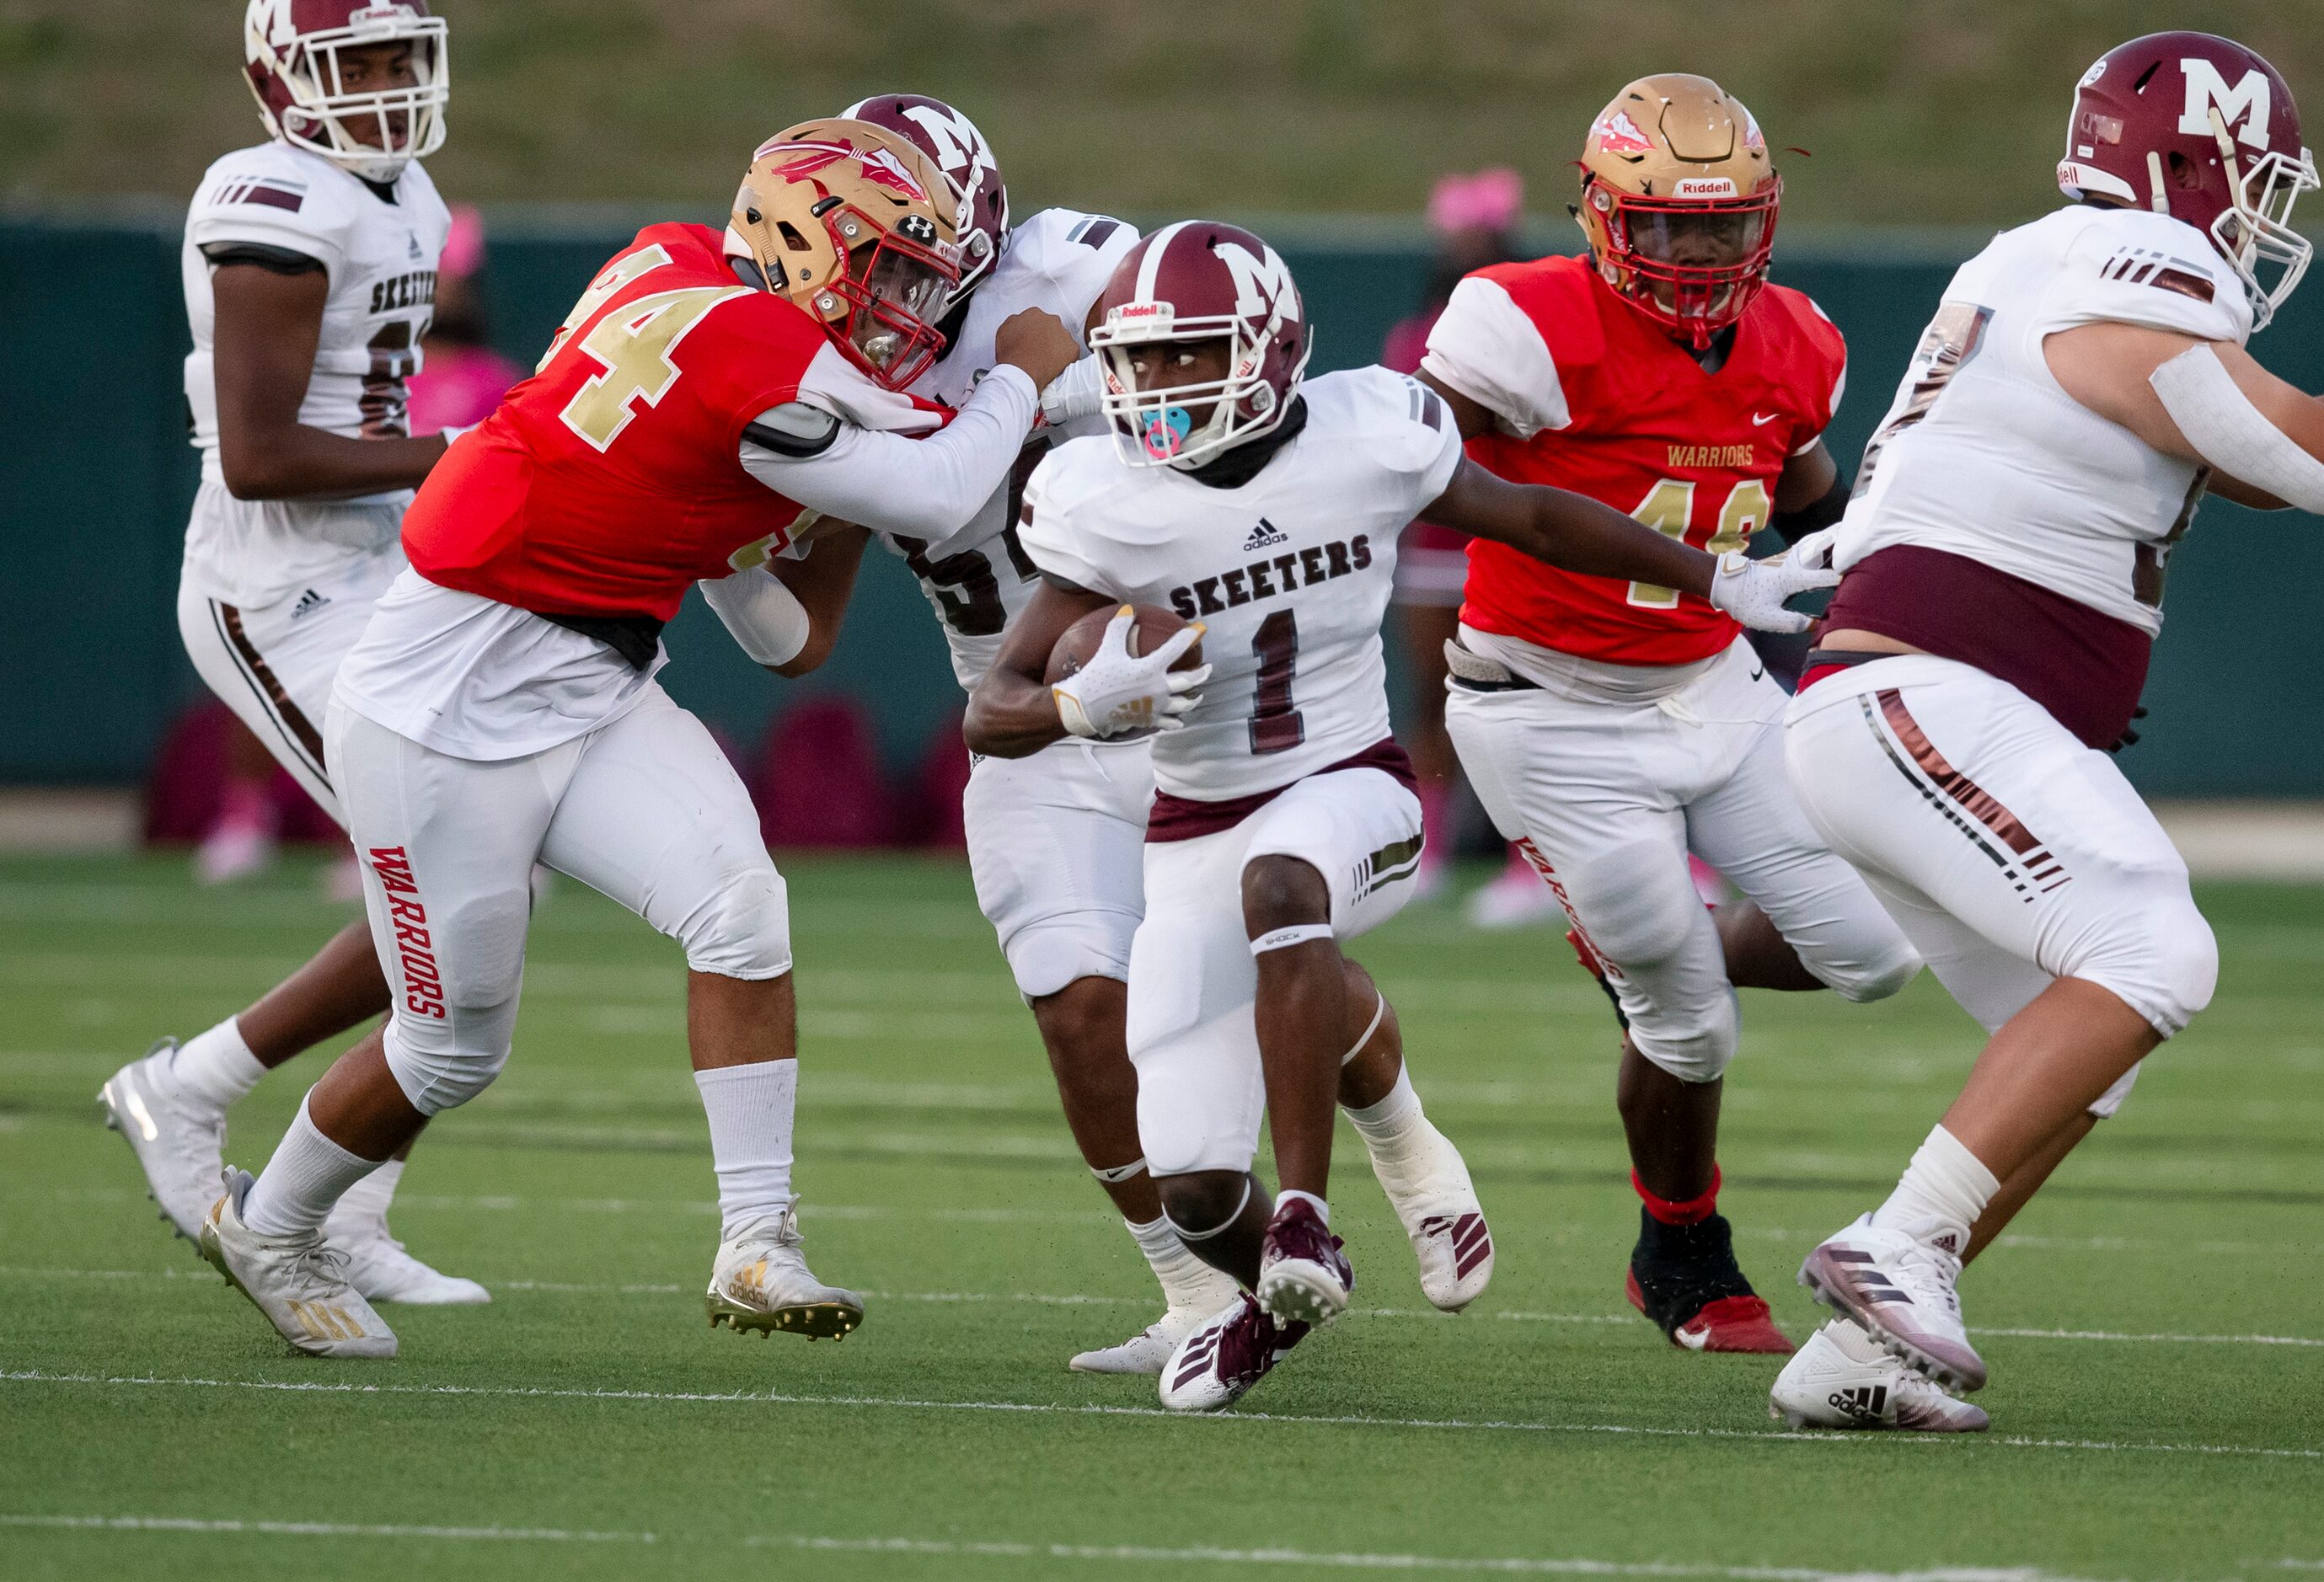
(310, 265)
(1266, 515)
(2082, 385)
(1055, 841)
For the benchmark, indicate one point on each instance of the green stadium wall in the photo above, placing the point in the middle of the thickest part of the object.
(95, 477)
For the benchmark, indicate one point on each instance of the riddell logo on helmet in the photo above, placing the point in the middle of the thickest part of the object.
(1618, 135)
(1705, 187)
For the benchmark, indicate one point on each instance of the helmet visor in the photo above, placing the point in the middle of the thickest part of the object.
(1697, 238)
(896, 304)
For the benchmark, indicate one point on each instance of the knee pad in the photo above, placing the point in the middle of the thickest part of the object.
(1695, 1051)
(2157, 953)
(741, 928)
(440, 1066)
(1859, 983)
(1045, 956)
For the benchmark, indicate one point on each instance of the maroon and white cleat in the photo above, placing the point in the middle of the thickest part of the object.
(1897, 1287)
(1304, 1273)
(1842, 1378)
(1215, 1366)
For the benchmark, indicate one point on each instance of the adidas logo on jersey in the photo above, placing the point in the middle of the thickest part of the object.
(308, 602)
(1266, 536)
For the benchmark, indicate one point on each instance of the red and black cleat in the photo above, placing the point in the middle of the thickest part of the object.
(1685, 1277)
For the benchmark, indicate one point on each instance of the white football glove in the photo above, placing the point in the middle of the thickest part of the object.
(1118, 692)
(1754, 592)
(1074, 393)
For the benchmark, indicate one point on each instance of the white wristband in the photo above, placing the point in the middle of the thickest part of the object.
(767, 620)
(2233, 434)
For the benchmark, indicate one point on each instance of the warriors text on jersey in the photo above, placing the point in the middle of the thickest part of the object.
(979, 578)
(1290, 572)
(283, 209)
(610, 481)
(1588, 395)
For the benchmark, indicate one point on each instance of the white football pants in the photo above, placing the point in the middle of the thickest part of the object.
(273, 664)
(1057, 844)
(1607, 798)
(1193, 985)
(645, 809)
(2010, 853)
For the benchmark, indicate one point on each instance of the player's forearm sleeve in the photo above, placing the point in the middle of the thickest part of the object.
(928, 488)
(766, 618)
(2233, 434)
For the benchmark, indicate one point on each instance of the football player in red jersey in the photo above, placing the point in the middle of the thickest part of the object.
(1612, 728)
(711, 400)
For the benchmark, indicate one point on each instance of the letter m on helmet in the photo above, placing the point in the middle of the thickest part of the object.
(1262, 282)
(2251, 101)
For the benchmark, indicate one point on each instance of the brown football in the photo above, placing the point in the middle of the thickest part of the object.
(1151, 627)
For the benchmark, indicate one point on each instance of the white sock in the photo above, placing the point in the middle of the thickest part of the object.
(1322, 1209)
(750, 1108)
(1185, 1278)
(1385, 1122)
(309, 1173)
(217, 1066)
(368, 1198)
(1945, 1183)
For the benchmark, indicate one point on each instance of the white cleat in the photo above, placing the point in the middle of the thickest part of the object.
(1427, 1183)
(1219, 1362)
(1842, 1378)
(379, 1267)
(1147, 1351)
(300, 1282)
(180, 1139)
(761, 1281)
(1898, 1287)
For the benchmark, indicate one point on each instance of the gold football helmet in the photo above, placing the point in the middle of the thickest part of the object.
(857, 226)
(1679, 200)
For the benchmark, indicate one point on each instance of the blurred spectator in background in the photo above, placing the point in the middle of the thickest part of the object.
(1475, 218)
(240, 840)
(461, 378)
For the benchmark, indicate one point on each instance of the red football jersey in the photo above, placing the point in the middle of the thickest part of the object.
(612, 480)
(1608, 405)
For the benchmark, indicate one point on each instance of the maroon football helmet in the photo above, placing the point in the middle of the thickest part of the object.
(2201, 128)
(1192, 281)
(290, 53)
(952, 140)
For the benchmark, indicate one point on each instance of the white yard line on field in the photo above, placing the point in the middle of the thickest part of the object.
(1044, 1298)
(966, 1548)
(1061, 1409)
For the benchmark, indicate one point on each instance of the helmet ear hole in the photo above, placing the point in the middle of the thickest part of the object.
(2185, 174)
(791, 237)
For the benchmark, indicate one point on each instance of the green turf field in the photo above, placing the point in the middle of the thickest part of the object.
(2154, 1329)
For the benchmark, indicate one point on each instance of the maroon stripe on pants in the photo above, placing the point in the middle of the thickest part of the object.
(277, 695)
(1980, 804)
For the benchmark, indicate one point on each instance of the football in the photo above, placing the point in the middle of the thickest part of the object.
(1150, 627)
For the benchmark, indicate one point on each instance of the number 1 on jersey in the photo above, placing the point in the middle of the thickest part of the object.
(1275, 725)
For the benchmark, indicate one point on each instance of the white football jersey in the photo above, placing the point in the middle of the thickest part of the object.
(380, 260)
(1983, 453)
(1290, 573)
(978, 579)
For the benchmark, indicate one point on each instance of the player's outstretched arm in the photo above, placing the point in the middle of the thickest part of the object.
(1575, 533)
(1011, 712)
(2204, 401)
(267, 327)
(787, 614)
